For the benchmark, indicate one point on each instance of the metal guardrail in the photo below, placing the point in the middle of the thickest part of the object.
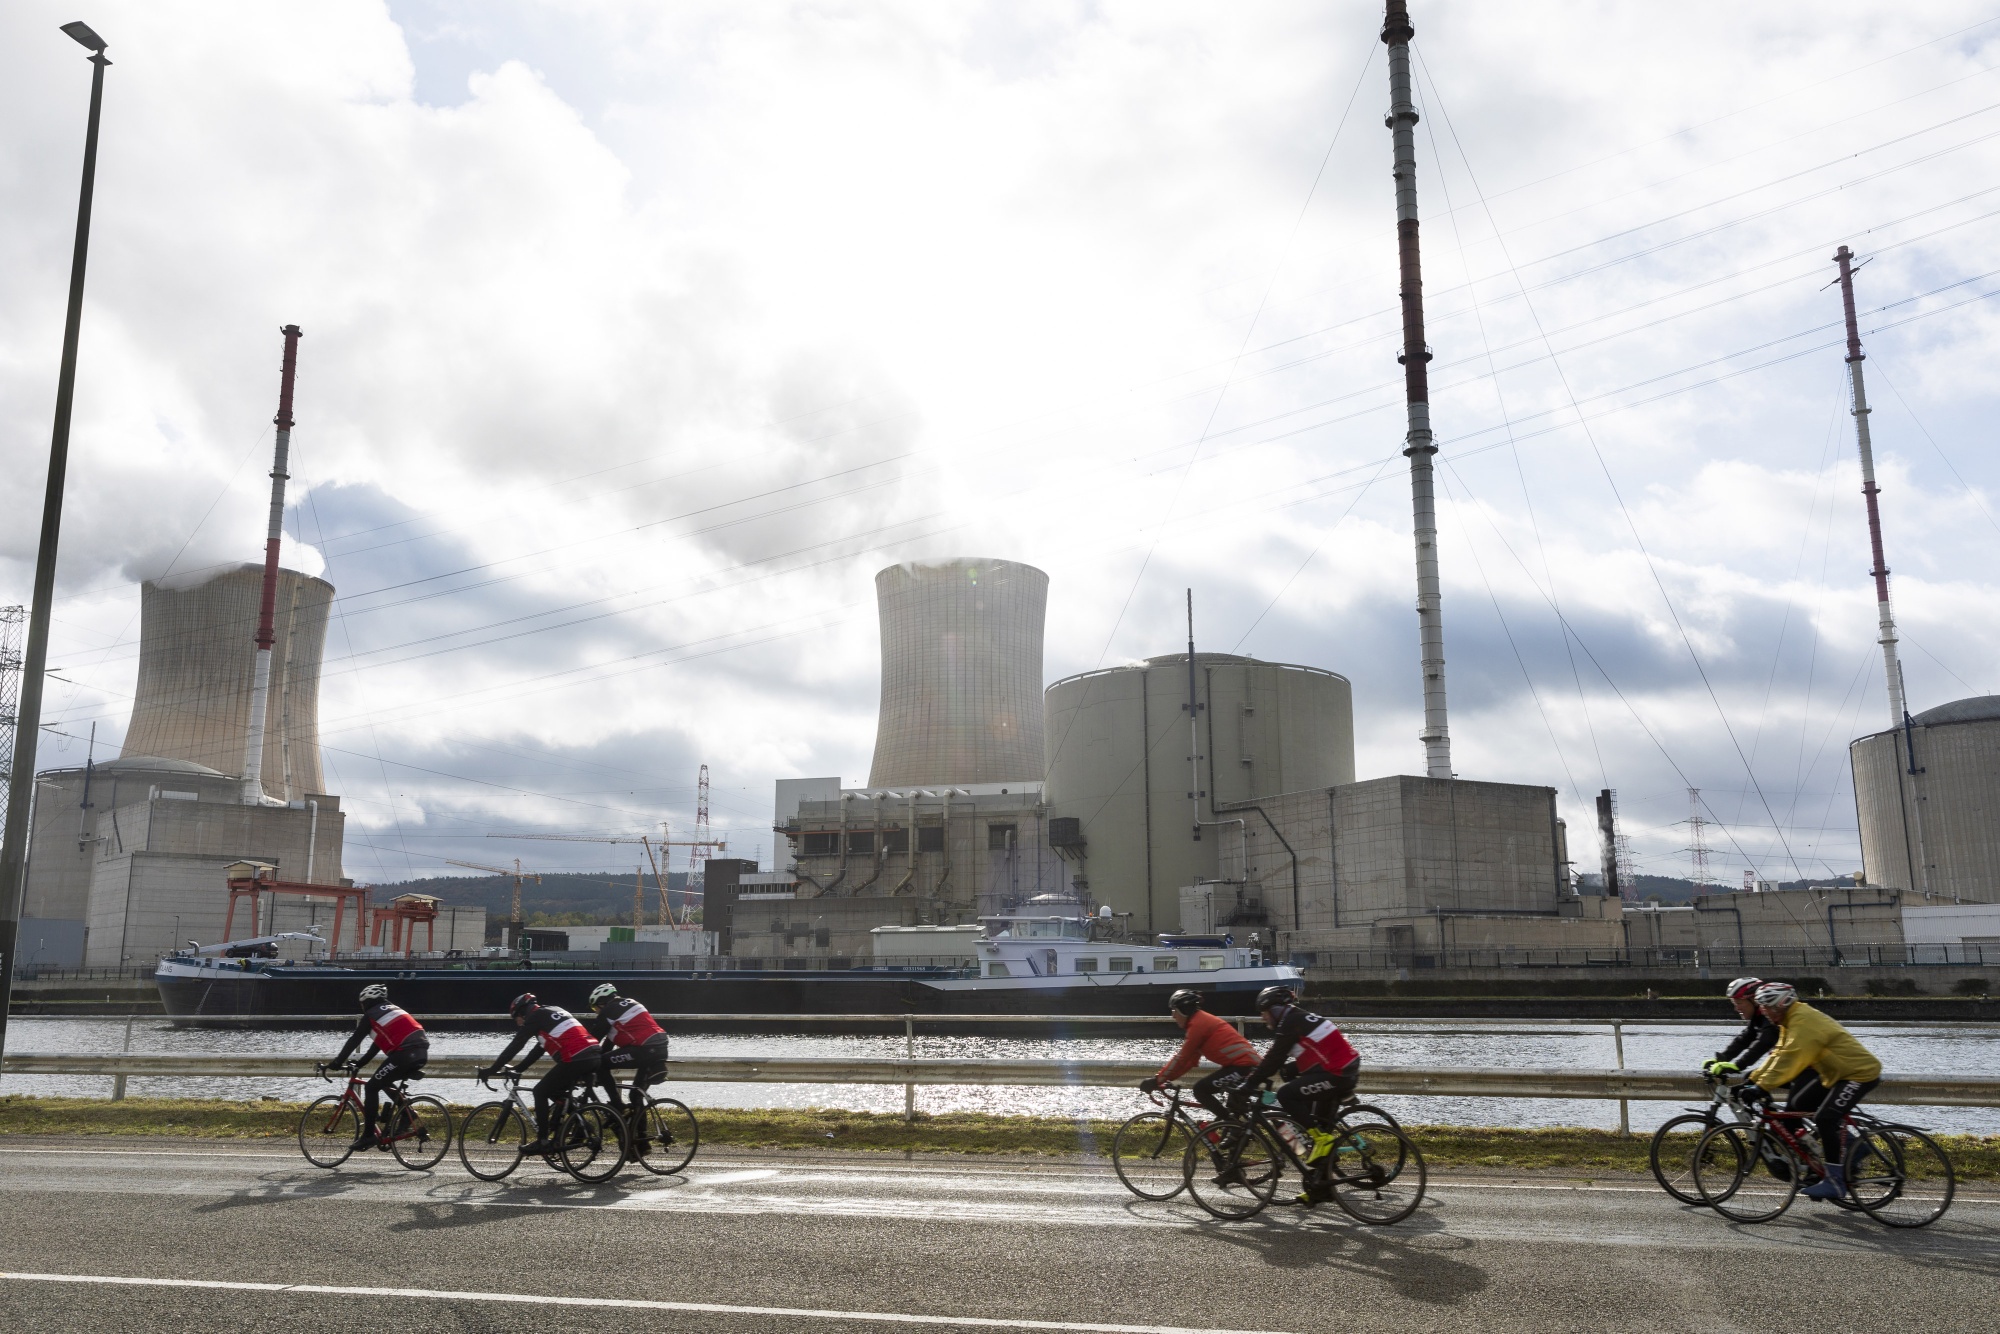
(1347, 1024)
(1558, 1082)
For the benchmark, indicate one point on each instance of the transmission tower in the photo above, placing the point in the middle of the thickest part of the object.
(698, 853)
(11, 620)
(1697, 848)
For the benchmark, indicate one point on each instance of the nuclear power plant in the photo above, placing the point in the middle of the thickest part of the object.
(1927, 798)
(197, 676)
(961, 673)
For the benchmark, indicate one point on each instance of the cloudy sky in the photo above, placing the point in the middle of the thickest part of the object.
(638, 337)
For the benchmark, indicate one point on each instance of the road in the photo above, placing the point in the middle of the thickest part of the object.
(166, 1236)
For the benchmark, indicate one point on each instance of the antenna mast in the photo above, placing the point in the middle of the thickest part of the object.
(1892, 667)
(260, 689)
(1418, 445)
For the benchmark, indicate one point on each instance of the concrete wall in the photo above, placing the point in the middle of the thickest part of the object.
(1118, 762)
(1781, 920)
(819, 928)
(961, 673)
(1946, 816)
(196, 668)
(1950, 923)
(966, 876)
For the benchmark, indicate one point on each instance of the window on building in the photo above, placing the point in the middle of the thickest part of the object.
(1166, 963)
(1085, 965)
(1119, 965)
(930, 838)
(821, 845)
(999, 837)
(996, 970)
(1211, 962)
(860, 845)
(896, 840)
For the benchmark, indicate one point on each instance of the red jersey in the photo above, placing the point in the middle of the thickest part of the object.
(632, 1024)
(562, 1036)
(391, 1025)
(1208, 1036)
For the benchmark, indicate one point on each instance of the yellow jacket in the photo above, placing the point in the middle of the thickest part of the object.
(1808, 1038)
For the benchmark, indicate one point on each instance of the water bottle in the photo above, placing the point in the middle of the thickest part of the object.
(1293, 1136)
(1268, 1098)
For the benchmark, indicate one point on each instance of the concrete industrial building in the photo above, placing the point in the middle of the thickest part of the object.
(196, 668)
(961, 674)
(1118, 766)
(1927, 797)
(126, 857)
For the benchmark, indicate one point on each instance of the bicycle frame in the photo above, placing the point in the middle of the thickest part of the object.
(397, 1092)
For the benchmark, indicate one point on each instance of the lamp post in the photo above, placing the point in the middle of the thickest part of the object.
(21, 782)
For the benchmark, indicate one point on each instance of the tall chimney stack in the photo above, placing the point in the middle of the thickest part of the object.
(267, 635)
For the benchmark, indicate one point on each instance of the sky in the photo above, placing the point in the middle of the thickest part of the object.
(638, 338)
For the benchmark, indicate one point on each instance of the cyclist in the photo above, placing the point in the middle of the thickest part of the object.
(1759, 1034)
(1829, 1073)
(629, 1036)
(404, 1045)
(1328, 1066)
(556, 1031)
(1208, 1036)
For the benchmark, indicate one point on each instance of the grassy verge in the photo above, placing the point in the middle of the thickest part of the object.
(1568, 1151)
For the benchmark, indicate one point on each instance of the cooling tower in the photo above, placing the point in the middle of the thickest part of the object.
(961, 673)
(1934, 831)
(196, 665)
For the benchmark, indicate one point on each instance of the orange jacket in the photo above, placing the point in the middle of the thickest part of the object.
(1213, 1037)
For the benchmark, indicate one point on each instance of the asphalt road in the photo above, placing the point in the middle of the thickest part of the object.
(98, 1237)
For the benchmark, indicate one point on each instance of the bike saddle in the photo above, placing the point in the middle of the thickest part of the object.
(412, 1076)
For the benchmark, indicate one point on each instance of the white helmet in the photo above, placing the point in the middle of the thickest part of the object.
(601, 993)
(1744, 986)
(1777, 995)
(373, 994)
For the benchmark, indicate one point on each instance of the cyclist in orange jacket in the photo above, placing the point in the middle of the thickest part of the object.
(1208, 1036)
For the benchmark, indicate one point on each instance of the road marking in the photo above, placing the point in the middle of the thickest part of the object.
(732, 1178)
(617, 1303)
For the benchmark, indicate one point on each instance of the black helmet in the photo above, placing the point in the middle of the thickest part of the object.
(1270, 998)
(522, 1004)
(1185, 1001)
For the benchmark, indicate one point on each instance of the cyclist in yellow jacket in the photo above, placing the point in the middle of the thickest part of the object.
(1828, 1070)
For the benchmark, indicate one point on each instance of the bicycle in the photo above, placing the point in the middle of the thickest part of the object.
(588, 1135)
(664, 1138)
(1150, 1150)
(1374, 1171)
(1694, 1123)
(418, 1129)
(1896, 1174)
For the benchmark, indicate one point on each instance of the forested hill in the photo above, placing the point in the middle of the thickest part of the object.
(559, 900)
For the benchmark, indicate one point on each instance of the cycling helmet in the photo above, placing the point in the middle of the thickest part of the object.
(1744, 987)
(373, 994)
(1270, 998)
(601, 993)
(522, 1004)
(1777, 995)
(1185, 1001)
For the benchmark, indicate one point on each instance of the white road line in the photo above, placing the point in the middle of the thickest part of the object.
(616, 1303)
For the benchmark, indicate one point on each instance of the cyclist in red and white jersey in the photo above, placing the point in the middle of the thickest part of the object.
(630, 1037)
(404, 1045)
(558, 1032)
(1328, 1066)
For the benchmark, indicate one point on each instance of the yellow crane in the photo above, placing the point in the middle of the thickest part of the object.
(649, 843)
(518, 876)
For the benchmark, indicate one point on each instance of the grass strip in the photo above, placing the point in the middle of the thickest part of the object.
(1558, 1149)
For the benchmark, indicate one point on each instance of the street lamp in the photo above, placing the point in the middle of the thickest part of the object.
(28, 724)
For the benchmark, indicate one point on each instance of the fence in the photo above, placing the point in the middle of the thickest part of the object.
(1666, 960)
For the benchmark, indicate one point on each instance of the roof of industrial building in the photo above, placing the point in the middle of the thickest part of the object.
(1979, 708)
(154, 764)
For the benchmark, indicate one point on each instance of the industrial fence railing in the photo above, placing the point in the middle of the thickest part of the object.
(1554, 1082)
(28, 971)
(1675, 960)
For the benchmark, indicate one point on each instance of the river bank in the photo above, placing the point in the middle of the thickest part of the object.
(1568, 1150)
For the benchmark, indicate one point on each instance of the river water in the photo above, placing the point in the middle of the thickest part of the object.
(1946, 1050)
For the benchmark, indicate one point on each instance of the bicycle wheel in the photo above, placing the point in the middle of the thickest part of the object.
(1900, 1176)
(592, 1147)
(668, 1136)
(1672, 1155)
(327, 1131)
(1232, 1170)
(1744, 1174)
(491, 1139)
(1368, 1111)
(1378, 1173)
(1150, 1153)
(422, 1132)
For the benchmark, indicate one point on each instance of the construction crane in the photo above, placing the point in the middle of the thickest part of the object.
(646, 841)
(518, 875)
